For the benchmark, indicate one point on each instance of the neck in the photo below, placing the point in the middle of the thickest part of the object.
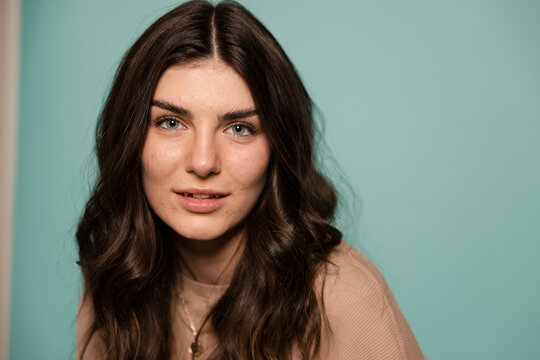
(212, 261)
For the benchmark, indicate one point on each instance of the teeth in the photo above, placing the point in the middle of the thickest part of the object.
(201, 196)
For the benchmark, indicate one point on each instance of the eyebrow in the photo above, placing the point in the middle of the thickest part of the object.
(230, 115)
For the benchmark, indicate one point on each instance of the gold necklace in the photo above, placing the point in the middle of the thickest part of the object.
(195, 348)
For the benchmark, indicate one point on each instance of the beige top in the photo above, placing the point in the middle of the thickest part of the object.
(365, 320)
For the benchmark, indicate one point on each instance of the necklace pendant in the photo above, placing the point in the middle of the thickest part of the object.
(195, 348)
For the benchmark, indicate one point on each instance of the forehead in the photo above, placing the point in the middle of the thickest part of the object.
(204, 84)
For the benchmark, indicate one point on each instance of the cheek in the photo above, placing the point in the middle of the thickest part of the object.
(249, 168)
(159, 161)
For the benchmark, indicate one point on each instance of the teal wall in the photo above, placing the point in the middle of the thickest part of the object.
(432, 112)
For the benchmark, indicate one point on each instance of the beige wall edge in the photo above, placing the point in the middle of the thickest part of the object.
(9, 70)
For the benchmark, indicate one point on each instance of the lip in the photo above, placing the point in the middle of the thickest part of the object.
(200, 205)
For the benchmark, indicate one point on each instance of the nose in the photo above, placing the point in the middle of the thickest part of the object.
(203, 157)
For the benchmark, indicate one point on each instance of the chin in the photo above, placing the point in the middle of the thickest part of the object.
(199, 236)
(200, 233)
(207, 230)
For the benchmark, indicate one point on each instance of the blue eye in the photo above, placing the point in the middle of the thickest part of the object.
(169, 124)
(241, 130)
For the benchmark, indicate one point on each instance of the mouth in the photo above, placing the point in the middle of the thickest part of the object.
(201, 196)
(201, 201)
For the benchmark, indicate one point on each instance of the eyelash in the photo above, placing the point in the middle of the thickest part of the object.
(250, 127)
(161, 121)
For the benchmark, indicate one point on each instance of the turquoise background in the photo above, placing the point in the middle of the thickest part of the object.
(432, 112)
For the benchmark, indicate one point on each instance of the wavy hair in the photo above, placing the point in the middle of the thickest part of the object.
(130, 265)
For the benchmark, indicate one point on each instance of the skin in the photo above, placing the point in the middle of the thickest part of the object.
(197, 148)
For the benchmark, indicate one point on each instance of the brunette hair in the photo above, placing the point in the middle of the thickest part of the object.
(130, 265)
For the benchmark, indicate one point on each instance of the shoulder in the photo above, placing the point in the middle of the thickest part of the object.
(363, 318)
(351, 277)
(348, 266)
(95, 347)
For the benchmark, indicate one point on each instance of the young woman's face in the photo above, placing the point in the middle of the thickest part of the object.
(205, 157)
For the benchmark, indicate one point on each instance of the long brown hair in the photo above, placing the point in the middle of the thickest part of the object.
(130, 265)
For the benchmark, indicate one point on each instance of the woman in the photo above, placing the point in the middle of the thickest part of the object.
(207, 233)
